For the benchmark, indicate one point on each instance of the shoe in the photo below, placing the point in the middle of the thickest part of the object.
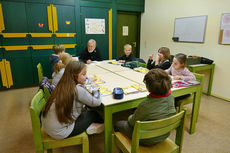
(95, 128)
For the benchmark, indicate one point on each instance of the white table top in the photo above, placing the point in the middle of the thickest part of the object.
(117, 76)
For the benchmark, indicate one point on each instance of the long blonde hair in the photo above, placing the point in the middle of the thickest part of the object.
(63, 60)
(64, 93)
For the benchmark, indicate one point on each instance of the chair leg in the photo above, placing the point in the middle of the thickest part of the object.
(85, 145)
(49, 151)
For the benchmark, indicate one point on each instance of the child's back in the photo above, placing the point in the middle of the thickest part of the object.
(159, 104)
(58, 49)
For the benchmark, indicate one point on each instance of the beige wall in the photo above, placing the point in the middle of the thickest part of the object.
(157, 27)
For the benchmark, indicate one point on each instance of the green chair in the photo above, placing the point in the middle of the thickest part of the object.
(190, 99)
(40, 72)
(148, 129)
(46, 93)
(44, 142)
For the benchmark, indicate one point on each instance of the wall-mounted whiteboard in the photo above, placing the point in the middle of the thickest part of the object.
(190, 29)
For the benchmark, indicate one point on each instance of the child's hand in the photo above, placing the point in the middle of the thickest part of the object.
(177, 77)
(121, 61)
(94, 79)
(88, 61)
(151, 56)
(157, 58)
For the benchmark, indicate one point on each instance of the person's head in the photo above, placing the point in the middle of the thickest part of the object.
(127, 49)
(179, 61)
(64, 93)
(58, 49)
(164, 53)
(63, 60)
(91, 45)
(157, 82)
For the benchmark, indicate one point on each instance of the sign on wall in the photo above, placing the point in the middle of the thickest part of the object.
(224, 37)
(94, 26)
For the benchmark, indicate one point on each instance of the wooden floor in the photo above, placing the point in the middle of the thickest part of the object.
(212, 132)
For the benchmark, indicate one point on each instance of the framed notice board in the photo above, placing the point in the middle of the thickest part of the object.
(224, 37)
(190, 29)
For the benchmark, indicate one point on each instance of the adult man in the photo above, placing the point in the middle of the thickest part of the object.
(90, 53)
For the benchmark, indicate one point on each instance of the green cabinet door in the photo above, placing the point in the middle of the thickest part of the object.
(21, 67)
(101, 39)
(66, 24)
(42, 56)
(37, 18)
(14, 16)
(38, 23)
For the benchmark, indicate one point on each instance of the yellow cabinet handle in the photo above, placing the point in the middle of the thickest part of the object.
(55, 22)
(3, 73)
(50, 18)
(2, 25)
(9, 74)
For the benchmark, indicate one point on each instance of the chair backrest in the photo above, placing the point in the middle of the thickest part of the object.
(149, 129)
(46, 93)
(37, 103)
(200, 77)
(40, 72)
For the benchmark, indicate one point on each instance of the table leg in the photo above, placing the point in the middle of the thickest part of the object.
(195, 110)
(210, 80)
(108, 129)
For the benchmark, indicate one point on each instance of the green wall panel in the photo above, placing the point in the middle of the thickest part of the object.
(42, 56)
(14, 17)
(41, 41)
(101, 39)
(66, 19)
(98, 0)
(15, 41)
(71, 51)
(37, 18)
(62, 2)
(21, 67)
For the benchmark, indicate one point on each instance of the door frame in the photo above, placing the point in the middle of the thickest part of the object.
(138, 30)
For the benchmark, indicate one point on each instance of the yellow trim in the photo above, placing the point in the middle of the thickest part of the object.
(14, 35)
(41, 34)
(65, 34)
(42, 46)
(69, 45)
(55, 22)
(9, 48)
(2, 25)
(9, 74)
(110, 35)
(50, 19)
(3, 73)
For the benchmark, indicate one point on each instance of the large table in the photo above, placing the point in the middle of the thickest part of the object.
(117, 76)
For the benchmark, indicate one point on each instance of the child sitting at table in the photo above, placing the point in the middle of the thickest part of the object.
(59, 67)
(178, 69)
(64, 114)
(159, 104)
(58, 50)
(128, 56)
(162, 59)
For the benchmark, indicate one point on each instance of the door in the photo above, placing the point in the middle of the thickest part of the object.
(127, 32)
(101, 39)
